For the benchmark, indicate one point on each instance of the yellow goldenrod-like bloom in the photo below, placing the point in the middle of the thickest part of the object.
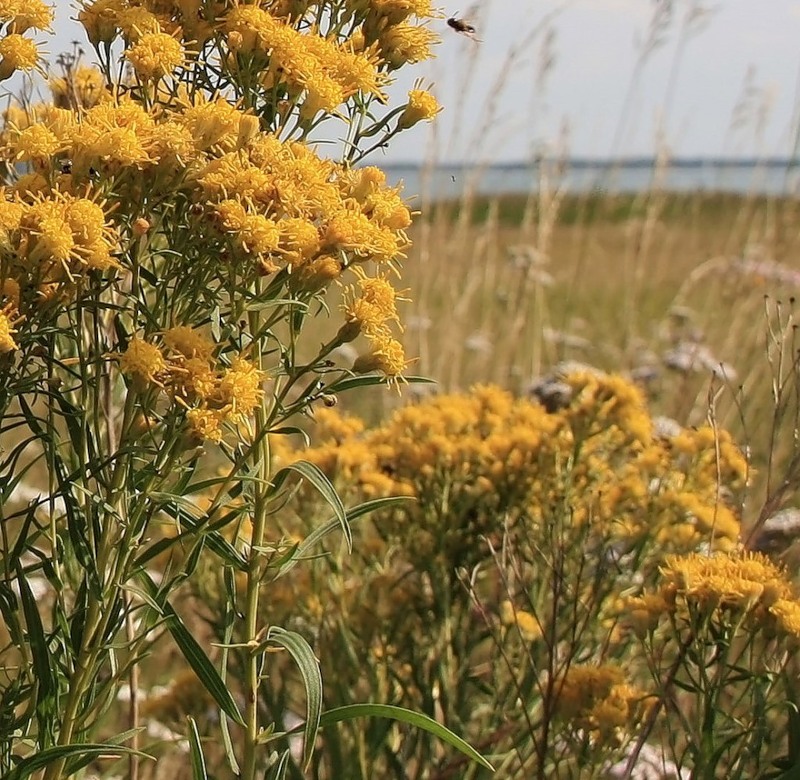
(642, 614)
(406, 43)
(214, 124)
(369, 312)
(155, 55)
(112, 136)
(99, 19)
(525, 622)
(353, 231)
(422, 106)
(740, 580)
(33, 144)
(17, 53)
(197, 378)
(206, 424)
(26, 15)
(135, 22)
(387, 357)
(316, 274)
(299, 239)
(171, 145)
(86, 85)
(142, 361)
(10, 217)
(597, 699)
(396, 11)
(786, 613)
(259, 235)
(7, 343)
(241, 387)
(189, 342)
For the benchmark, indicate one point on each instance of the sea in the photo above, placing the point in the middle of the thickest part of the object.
(777, 177)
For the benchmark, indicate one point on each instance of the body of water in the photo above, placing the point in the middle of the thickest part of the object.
(771, 177)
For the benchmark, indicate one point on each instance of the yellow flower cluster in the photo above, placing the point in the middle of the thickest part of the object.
(187, 370)
(598, 701)
(47, 243)
(524, 622)
(474, 461)
(320, 72)
(273, 40)
(739, 584)
(18, 52)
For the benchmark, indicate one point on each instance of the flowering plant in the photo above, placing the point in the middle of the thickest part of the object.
(167, 231)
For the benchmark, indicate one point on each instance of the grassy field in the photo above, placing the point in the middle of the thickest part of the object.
(691, 292)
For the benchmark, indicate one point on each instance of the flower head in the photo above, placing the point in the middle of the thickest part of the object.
(155, 55)
(17, 53)
(142, 361)
(422, 106)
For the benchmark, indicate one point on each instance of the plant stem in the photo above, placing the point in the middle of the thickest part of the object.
(255, 571)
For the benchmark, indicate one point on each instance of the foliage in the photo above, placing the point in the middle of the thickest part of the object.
(167, 231)
(567, 589)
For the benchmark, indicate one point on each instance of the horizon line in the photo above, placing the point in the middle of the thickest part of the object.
(604, 162)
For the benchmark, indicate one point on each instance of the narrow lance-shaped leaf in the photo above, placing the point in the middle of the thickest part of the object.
(308, 665)
(313, 474)
(353, 711)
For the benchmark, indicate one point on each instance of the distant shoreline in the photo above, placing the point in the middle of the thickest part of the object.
(778, 176)
(589, 163)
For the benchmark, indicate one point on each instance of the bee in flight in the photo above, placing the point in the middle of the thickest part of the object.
(462, 26)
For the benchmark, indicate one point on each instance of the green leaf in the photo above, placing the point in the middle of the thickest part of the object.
(43, 758)
(46, 691)
(278, 770)
(308, 665)
(199, 771)
(353, 711)
(195, 656)
(314, 475)
(320, 533)
(369, 380)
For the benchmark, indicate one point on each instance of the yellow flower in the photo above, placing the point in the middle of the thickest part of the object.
(241, 388)
(142, 361)
(86, 84)
(135, 22)
(422, 106)
(396, 11)
(259, 235)
(99, 19)
(34, 143)
(26, 14)
(370, 312)
(387, 357)
(316, 274)
(787, 614)
(740, 580)
(526, 623)
(7, 343)
(197, 378)
(112, 136)
(406, 43)
(206, 424)
(190, 343)
(214, 124)
(17, 53)
(155, 55)
(353, 231)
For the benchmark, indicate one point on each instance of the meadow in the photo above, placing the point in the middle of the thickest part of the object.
(292, 486)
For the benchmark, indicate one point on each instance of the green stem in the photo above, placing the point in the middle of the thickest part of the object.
(255, 572)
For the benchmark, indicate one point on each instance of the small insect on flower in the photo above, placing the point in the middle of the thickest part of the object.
(462, 26)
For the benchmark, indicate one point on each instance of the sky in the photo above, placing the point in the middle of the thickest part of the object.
(600, 79)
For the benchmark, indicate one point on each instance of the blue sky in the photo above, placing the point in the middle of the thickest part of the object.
(729, 88)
